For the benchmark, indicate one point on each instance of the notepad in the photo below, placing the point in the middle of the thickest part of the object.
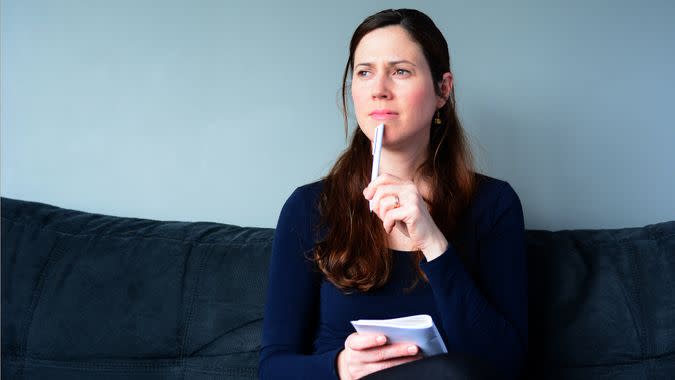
(417, 329)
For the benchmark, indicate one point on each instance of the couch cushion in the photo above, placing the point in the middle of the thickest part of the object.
(602, 303)
(86, 294)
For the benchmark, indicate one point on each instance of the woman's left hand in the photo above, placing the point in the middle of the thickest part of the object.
(399, 203)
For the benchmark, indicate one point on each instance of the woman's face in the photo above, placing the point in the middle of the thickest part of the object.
(392, 84)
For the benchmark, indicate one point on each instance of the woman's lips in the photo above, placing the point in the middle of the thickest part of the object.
(383, 115)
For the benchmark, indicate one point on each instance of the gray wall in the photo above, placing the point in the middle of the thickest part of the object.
(156, 109)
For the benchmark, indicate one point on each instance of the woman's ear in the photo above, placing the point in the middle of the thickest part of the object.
(446, 88)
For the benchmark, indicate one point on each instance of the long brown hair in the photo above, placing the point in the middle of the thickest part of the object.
(354, 255)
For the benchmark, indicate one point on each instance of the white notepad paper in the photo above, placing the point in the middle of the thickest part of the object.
(417, 329)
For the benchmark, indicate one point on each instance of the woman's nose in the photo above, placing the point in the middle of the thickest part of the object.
(381, 88)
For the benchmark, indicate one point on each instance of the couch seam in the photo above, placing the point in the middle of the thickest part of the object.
(659, 240)
(648, 325)
(187, 323)
(54, 255)
(630, 304)
(645, 348)
(247, 323)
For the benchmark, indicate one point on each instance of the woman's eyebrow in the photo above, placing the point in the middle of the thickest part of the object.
(390, 63)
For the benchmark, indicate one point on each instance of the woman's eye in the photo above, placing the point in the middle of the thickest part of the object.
(402, 72)
(362, 73)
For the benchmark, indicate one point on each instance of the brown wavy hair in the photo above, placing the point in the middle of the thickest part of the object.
(354, 255)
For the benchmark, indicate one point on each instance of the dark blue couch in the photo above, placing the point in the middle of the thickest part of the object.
(87, 296)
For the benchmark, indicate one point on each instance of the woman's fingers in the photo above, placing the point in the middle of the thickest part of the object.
(357, 341)
(392, 217)
(388, 352)
(373, 348)
(387, 195)
(383, 180)
(388, 203)
(368, 353)
(386, 178)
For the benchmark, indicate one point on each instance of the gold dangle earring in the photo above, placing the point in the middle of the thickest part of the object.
(437, 119)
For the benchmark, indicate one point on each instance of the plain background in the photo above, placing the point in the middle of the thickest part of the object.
(217, 110)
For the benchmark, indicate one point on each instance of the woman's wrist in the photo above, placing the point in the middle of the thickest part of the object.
(436, 247)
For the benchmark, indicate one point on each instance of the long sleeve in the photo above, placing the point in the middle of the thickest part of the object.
(488, 320)
(292, 304)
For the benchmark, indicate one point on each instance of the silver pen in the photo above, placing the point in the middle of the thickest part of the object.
(377, 151)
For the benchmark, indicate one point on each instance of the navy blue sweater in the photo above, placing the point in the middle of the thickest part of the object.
(307, 319)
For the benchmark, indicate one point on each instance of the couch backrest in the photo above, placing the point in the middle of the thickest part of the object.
(602, 303)
(87, 295)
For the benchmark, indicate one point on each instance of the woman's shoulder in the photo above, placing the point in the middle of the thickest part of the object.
(303, 201)
(300, 212)
(492, 189)
(312, 189)
(307, 194)
(492, 198)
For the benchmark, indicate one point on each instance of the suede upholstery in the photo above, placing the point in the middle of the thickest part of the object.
(92, 296)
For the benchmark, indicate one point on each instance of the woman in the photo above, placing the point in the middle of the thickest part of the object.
(440, 239)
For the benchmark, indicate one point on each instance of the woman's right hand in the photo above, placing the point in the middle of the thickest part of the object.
(367, 353)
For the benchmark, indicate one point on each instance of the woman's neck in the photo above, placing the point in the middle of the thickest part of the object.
(399, 165)
(404, 165)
